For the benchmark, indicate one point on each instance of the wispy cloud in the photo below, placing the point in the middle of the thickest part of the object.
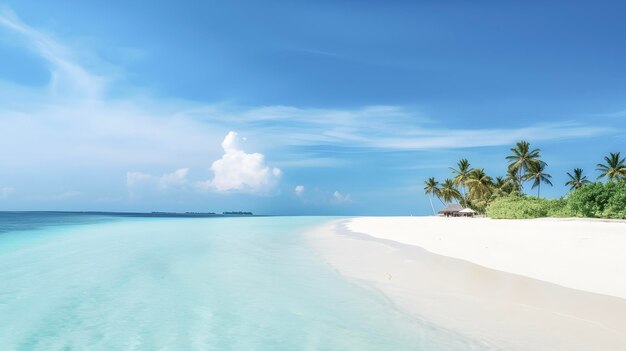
(339, 198)
(386, 127)
(299, 190)
(621, 113)
(67, 77)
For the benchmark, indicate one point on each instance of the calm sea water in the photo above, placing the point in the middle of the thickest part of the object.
(91, 282)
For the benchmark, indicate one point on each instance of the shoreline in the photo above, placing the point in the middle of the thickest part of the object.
(582, 254)
(496, 308)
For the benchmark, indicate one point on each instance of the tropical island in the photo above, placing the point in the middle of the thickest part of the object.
(504, 197)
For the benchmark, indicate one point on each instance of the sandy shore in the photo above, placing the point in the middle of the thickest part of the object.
(546, 284)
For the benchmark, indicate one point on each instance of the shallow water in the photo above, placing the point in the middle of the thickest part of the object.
(115, 283)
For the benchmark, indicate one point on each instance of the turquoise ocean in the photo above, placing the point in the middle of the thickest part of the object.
(75, 281)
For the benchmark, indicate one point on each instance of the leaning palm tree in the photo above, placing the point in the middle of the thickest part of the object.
(614, 169)
(522, 159)
(449, 191)
(536, 173)
(577, 180)
(461, 173)
(431, 187)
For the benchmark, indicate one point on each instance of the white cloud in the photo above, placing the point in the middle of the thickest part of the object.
(382, 127)
(73, 121)
(177, 178)
(67, 77)
(299, 190)
(613, 114)
(174, 180)
(238, 171)
(339, 198)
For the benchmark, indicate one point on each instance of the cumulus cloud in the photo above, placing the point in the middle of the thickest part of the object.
(299, 190)
(339, 198)
(176, 179)
(238, 171)
(241, 171)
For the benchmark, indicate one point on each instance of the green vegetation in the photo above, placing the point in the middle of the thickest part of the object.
(431, 187)
(577, 180)
(503, 196)
(600, 200)
(520, 207)
(597, 200)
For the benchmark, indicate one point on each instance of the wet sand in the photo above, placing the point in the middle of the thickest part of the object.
(501, 310)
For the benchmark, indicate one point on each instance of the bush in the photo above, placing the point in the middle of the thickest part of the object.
(518, 207)
(598, 200)
(559, 208)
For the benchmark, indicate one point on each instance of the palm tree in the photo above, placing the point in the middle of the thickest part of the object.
(431, 187)
(614, 169)
(577, 180)
(512, 180)
(501, 186)
(449, 191)
(522, 159)
(479, 184)
(461, 173)
(536, 173)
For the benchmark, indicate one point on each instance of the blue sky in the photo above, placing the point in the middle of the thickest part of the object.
(336, 107)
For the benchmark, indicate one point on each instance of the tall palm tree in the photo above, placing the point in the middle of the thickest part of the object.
(461, 172)
(536, 173)
(577, 180)
(522, 159)
(614, 169)
(431, 187)
(479, 184)
(449, 191)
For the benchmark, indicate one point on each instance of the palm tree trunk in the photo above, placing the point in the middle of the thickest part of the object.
(431, 204)
(519, 179)
(464, 202)
(539, 189)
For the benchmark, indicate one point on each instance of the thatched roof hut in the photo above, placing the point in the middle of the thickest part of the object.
(451, 210)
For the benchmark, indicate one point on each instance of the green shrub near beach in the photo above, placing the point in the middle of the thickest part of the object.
(597, 200)
(522, 207)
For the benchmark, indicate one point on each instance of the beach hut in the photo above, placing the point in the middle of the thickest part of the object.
(452, 210)
(467, 212)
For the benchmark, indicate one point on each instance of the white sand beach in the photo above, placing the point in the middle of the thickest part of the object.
(545, 284)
